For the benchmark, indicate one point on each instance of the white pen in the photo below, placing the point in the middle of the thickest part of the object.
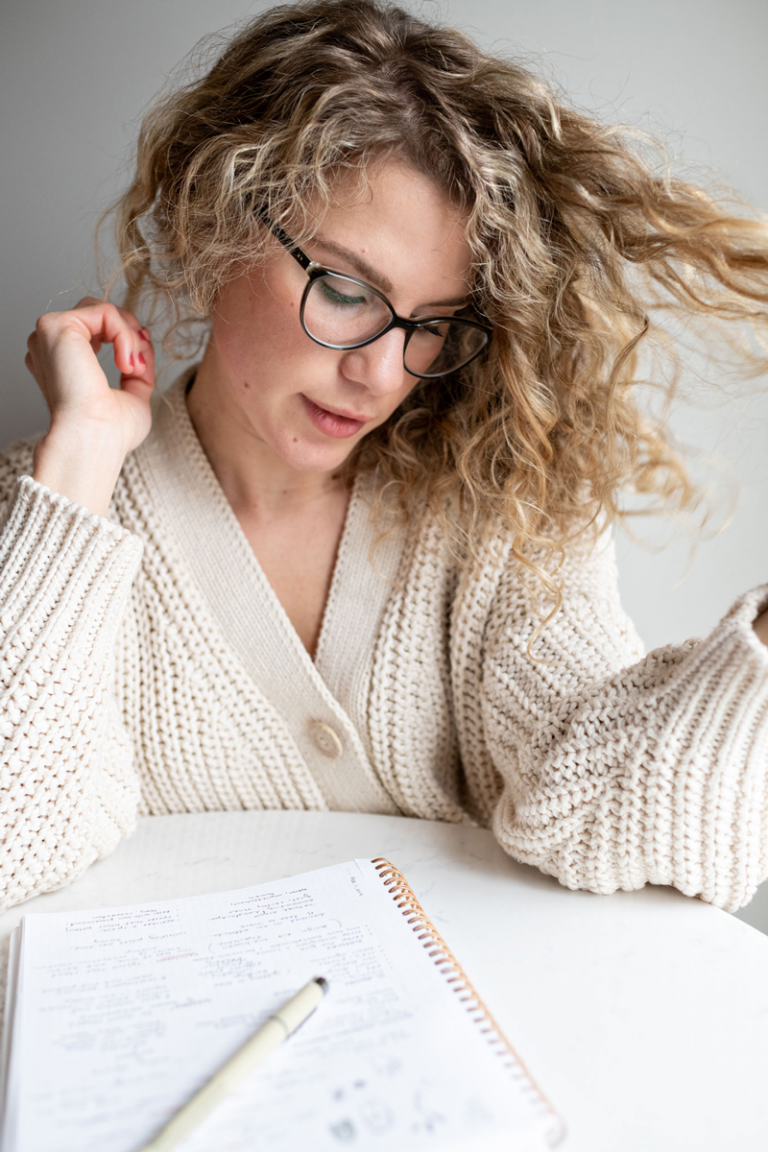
(270, 1036)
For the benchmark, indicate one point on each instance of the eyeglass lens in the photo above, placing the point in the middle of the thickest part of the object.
(344, 313)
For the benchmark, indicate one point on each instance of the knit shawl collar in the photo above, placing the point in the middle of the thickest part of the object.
(198, 517)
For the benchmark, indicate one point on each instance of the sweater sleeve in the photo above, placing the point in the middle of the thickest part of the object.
(68, 790)
(620, 770)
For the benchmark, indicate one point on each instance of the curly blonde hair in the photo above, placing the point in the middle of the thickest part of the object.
(582, 244)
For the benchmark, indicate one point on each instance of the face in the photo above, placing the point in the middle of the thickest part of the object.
(310, 405)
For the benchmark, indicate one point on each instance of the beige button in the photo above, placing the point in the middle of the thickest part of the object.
(326, 740)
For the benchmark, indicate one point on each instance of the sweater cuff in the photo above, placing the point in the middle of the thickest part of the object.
(55, 556)
(743, 614)
(719, 840)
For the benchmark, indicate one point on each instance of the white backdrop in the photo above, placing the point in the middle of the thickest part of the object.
(75, 76)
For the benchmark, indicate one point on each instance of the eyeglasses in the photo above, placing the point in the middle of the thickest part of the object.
(342, 312)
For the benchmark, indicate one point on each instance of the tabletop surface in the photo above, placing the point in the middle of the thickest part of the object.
(643, 1016)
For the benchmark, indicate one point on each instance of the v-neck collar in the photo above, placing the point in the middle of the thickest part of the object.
(198, 516)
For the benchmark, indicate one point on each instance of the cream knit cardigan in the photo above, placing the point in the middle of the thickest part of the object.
(146, 666)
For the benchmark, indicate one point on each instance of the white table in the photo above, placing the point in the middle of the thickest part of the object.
(644, 1016)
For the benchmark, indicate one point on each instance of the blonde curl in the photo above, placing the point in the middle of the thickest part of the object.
(584, 245)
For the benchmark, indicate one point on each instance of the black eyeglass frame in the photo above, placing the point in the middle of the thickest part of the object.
(315, 271)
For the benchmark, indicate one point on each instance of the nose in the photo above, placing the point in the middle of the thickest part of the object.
(379, 366)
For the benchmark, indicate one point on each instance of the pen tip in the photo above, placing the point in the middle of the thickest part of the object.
(322, 982)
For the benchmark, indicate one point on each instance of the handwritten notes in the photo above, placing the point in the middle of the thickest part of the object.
(117, 1016)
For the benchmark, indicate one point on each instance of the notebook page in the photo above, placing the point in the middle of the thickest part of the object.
(8, 1093)
(128, 1011)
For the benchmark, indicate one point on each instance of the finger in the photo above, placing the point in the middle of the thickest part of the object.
(96, 322)
(142, 375)
(130, 317)
(89, 302)
(100, 322)
(141, 389)
(130, 355)
(146, 353)
(126, 346)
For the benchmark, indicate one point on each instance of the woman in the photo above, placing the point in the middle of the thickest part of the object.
(359, 558)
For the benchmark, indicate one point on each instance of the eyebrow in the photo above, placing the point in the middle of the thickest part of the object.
(367, 272)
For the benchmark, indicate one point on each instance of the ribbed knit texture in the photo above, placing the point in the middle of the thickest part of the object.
(146, 666)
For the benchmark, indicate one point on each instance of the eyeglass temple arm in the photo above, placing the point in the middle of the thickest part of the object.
(284, 239)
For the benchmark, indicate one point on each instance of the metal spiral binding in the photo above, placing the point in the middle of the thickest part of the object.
(446, 962)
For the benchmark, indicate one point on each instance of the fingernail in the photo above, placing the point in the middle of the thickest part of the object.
(144, 333)
(142, 361)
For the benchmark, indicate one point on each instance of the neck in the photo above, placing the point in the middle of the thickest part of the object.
(255, 480)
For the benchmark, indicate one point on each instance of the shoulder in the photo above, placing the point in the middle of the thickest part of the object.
(500, 576)
(587, 561)
(564, 596)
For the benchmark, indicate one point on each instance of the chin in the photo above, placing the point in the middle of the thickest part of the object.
(305, 456)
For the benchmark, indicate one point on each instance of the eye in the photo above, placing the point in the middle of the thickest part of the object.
(439, 329)
(334, 292)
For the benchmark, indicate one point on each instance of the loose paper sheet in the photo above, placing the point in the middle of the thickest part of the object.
(127, 1011)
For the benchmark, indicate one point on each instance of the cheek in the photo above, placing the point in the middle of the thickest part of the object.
(255, 325)
(392, 403)
(410, 383)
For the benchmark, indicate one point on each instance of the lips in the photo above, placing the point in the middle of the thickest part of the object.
(333, 422)
(342, 412)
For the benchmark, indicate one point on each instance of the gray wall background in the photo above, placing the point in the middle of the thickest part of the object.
(75, 76)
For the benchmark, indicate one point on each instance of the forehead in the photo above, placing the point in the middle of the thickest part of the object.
(402, 226)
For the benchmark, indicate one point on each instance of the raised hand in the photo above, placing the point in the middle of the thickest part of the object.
(93, 427)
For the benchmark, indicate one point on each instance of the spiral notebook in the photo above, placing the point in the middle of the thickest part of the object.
(115, 1017)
